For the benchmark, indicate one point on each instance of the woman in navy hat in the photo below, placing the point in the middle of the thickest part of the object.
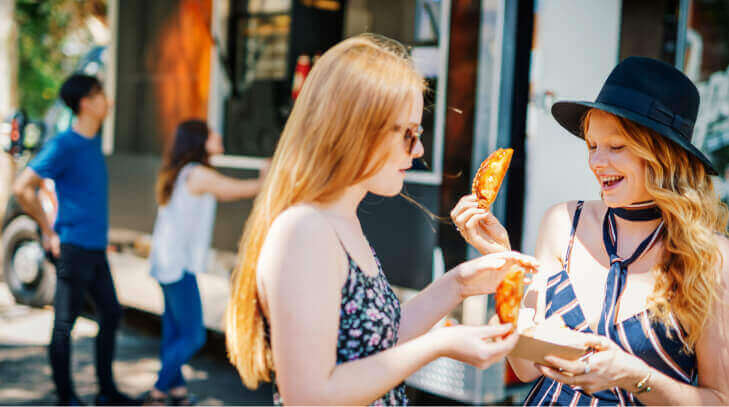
(643, 272)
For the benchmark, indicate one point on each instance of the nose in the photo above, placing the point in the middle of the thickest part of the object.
(418, 149)
(597, 159)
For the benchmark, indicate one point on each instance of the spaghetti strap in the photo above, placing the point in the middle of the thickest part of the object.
(351, 262)
(336, 233)
(575, 221)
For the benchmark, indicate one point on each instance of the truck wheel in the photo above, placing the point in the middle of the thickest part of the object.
(29, 275)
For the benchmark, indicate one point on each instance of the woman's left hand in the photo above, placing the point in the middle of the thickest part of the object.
(483, 274)
(607, 368)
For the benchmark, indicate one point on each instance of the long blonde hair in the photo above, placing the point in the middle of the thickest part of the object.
(687, 277)
(332, 139)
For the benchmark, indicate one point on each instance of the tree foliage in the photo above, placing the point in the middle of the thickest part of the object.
(52, 36)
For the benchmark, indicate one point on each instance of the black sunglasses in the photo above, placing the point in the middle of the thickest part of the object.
(412, 135)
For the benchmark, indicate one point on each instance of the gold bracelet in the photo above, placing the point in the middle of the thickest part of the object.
(642, 385)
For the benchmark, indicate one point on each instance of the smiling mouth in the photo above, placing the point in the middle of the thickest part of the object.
(609, 182)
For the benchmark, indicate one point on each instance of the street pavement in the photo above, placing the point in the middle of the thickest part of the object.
(25, 375)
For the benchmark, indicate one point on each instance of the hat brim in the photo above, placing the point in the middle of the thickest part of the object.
(569, 115)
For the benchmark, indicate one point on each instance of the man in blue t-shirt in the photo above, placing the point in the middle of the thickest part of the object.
(78, 238)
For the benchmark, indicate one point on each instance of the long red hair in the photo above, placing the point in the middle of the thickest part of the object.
(346, 108)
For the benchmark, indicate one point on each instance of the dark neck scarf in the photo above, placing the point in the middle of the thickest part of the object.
(641, 211)
(615, 284)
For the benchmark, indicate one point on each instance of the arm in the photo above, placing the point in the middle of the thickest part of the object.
(617, 368)
(549, 240)
(204, 180)
(475, 277)
(302, 291)
(431, 304)
(25, 190)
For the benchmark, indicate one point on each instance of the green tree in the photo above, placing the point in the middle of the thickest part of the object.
(50, 35)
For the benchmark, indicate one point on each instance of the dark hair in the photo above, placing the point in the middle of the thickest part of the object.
(77, 87)
(189, 146)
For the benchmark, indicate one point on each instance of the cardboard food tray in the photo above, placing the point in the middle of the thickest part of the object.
(554, 342)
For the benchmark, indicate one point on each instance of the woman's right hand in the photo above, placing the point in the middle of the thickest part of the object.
(479, 227)
(479, 346)
(263, 171)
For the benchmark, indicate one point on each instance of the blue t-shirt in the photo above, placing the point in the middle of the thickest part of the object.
(76, 165)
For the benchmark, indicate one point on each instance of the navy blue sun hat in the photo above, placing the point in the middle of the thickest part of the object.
(648, 92)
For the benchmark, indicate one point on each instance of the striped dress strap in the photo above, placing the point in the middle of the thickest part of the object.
(573, 231)
(559, 296)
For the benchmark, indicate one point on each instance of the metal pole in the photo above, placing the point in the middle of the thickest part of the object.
(683, 9)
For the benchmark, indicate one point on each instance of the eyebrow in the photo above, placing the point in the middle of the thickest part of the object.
(407, 125)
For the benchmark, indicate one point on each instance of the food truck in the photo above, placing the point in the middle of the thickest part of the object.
(494, 68)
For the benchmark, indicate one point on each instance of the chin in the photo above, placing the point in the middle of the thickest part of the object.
(388, 192)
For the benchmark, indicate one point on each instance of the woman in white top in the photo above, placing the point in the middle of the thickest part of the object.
(187, 191)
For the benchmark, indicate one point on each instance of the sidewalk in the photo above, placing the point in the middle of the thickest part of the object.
(25, 375)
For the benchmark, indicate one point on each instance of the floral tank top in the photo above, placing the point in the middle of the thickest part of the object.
(369, 321)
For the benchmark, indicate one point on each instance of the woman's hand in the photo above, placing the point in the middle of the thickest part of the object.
(479, 346)
(607, 368)
(479, 227)
(263, 171)
(482, 275)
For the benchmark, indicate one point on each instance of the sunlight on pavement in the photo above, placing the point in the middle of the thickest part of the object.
(23, 325)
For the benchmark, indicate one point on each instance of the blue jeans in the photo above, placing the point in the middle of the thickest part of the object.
(183, 332)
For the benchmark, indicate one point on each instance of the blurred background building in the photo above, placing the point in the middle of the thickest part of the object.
(494, 68)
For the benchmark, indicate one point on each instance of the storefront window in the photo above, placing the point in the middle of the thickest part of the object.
(707, 64)
(649, 28)
(273, 44)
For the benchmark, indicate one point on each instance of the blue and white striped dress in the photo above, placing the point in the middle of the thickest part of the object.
(639, 335)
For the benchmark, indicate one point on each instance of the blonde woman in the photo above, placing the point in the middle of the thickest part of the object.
(643, 271)
(310, 304)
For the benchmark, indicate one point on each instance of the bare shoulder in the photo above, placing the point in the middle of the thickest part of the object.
(556, 226)
(298, 252)
(557, 219)
(554, 231)
(302, 225)
(306, 236)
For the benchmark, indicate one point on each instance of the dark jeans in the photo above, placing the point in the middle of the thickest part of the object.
(183, 332)
(81, 272)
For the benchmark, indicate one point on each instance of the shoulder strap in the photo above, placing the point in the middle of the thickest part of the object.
(575, 221)
(336, 233)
